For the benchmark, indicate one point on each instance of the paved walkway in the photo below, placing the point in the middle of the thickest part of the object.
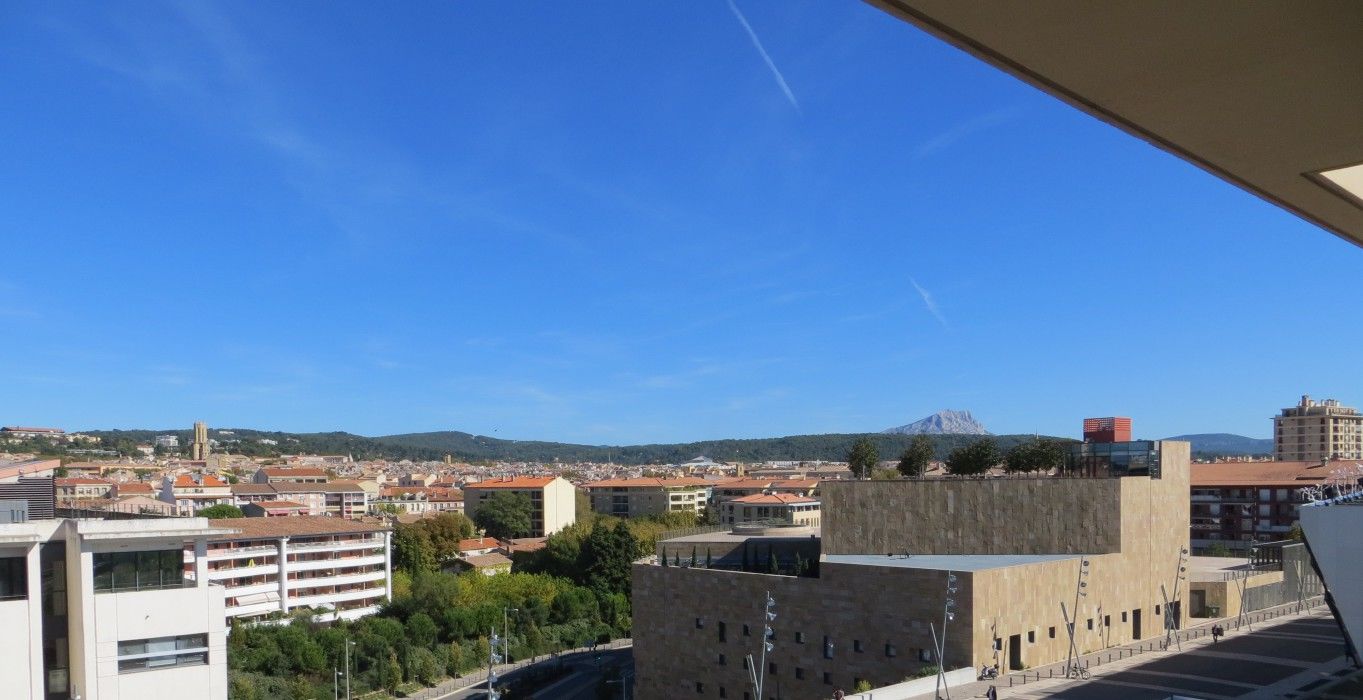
(1278, 651)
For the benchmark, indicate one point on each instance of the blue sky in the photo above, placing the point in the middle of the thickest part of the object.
(614, 222)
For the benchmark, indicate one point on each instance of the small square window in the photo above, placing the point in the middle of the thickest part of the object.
(1051, 632)
(1090, 623)
(1123, 616)
(890, 651)
(1031, 636)
(722, 662)
(700, 687)
(721, 630)
(799, 673)
(722, 692)
(856, 646)
(1107, 620)
(925, 655)
(745, 663)
(827, 678)
(827, 647)
(700, 623)
(1156, 609)
(799, 637)
(771, 667)
(747, 632)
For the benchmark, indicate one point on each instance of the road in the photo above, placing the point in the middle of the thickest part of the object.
(581, 685)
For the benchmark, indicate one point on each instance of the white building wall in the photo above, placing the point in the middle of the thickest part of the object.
(1332, 533)
(163, 613)
(560, 505)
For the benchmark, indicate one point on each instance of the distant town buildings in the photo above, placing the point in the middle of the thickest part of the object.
(784, 508)
(22, 432)
(1314, 431)
(632, 498)
(1237, 503)
(553, 499)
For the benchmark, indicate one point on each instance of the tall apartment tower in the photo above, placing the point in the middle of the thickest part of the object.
(1313, 431)
(199, 450)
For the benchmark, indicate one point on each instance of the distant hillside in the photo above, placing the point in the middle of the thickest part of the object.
(1226, 444)
(946, 422)
(468, 447)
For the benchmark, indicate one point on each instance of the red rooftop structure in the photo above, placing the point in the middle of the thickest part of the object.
(1115, 429)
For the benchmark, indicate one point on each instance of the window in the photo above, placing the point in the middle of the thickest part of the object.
(745, 663)
(139, 571)
(1107, 620)
(721, 630)
(1051, 632)
(1156, 609)
(13, 578)
(722, 692)
(700, 687)
(722, 662)
(827, 678)
(799, 637)
(700, 623)
(925, 655)
(827, 647)
(890, 651)
(1031, 636)
(162, 652)
(856, 646)
(1090, 622)
(771, 667)
(746, 632)
(1123, 616)
(799, 673)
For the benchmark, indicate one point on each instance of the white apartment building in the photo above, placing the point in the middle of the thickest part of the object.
(790, 509)
(629, 498)
(275, 565)
(195, 491)
(1313, 431)
(103, 610)
(340, 499)
(554, 500)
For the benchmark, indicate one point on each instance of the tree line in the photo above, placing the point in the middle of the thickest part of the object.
(1034, 454)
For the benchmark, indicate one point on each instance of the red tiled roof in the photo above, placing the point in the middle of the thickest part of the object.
(775, 499)
(281, 504)
(746, 484)
(478, 543)
(647, 482)
(293, 471)
(133, 487)
(491, 559)
(1289, 474)
(519, 482)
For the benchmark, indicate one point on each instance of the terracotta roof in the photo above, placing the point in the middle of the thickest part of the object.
(280, 504)
(646, 482)
(331, 487)
(81, 481)
(758, 484)
(252, 489)
(519, 482)
(293, 471)
(483, 561)
(1290, 474)
(775, 499)
(796, 483)
(478, 543)
(186, 481)
(296, 526)
(528, 544)
(134, 487)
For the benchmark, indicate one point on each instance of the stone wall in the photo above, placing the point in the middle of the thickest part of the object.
(1024, 515)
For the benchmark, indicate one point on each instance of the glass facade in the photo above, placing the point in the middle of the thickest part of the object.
(56, 662)
(13, 578)
(139, 571)
(1098, 459)
(162, 652)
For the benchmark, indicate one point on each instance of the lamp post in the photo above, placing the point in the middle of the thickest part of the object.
(348, 644)
(755, 674)
(1072, 618)
(506, 635)
(948, 614)
(492, 660)
(1172, 609)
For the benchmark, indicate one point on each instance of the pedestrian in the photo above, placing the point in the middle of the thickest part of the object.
(992, 693)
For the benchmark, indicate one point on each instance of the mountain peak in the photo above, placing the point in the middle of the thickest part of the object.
(947, 422)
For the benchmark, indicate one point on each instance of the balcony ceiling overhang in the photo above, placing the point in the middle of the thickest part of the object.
(1266, 95)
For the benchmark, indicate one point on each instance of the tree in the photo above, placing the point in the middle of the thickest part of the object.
(1036, 455)
(445, 531)
(862, 458)
(975, 458)
(884, 475)
(917, 456)
(221, 510)
(506, 515)
(412, 549)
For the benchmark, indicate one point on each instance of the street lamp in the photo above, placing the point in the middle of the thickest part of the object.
(506, 634)
(348, 644)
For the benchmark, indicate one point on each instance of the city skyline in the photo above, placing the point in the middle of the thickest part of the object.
(728, 220)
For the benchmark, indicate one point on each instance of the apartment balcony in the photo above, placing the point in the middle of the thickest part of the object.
(335, 546)
(1206, 498)
(241, 552)
(339, 580)
(219, 573)
(327, 598)
(337, 562)
(252, 589)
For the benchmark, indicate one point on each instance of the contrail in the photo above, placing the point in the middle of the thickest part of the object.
(928, 301)
(757, 43)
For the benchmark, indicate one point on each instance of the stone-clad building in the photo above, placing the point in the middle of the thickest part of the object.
(1015, 545)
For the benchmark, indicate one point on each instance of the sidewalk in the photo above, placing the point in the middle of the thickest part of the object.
(480, 676)
(1036, 682)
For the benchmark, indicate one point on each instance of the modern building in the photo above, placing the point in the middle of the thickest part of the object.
(199, 449)
(339, 499)
(168, 442)
(103, 610)
(1332, 521)
(290, 475)
(790, 509)
(1012, 550)
(1316, 431)
(553, 499)
(1115, 429)
(1237, 503)
(273, 566)
(630, 498)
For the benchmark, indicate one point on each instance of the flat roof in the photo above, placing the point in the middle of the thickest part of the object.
(946, 562)
(801, 533)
